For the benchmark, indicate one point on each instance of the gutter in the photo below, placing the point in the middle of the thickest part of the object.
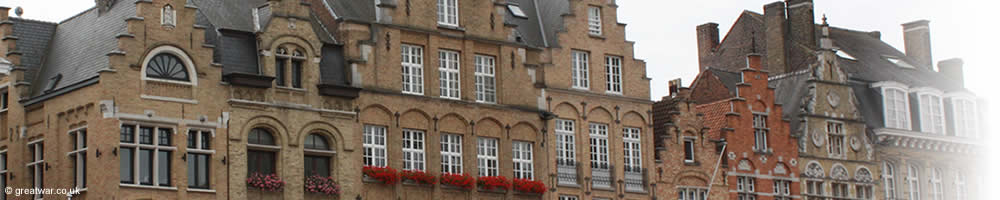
(60, 92)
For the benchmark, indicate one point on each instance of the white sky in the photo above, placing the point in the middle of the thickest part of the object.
(664, 31)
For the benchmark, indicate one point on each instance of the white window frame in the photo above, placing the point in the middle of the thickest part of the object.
(889, 180)
(632, 142)
(594, 20)
(864, 191)
(840, 191)
(486, 87)
(580, 68)
(746, 187)
(412, 61)
(3, 172)
(568, 197)
(374, 145)
(613, 70)
(4, 98)
(188, 63)
(895, 105)
(937, 185)
(449, 74)
(451, 153)
(599, 157)
(931, 110)
(688, 144)
(692, 193)
(835, 134)
(522, 157)
(447, 12)
(816, 188)
(782, 189)
(79, 156)
(961, 187)
(487, 154)
(760, 132)
(201, 149)
(913, 180)
(414, 156)
(36, 166)
(137, 147)
(965, 116)
(566, 141)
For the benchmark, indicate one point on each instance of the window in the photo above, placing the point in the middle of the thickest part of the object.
(451, 153)
(167, 66)
(486, 86)
(960, 186)
(3, 99)
(374, 145)
(835, 132)
(318, 155)
(760, 132)
(782, 190)
(262, 152)
(913, 179)
(581, 69)
(840, 191)
(413, 69)
(199, 153)
(447, 12)
(897, 110)
(863, 192)
(937, 191)
(36, 166)
(691, 193)
(78, 157)
(3, 172)
(814, 189)
(566, 197)
(523, 165)
(594, 20)
(565, 142)
(487, 157)
(965, 118)
(285, 76)
(599, 146)
(146, 155)
(613, 68)
(516, 10)
(448, 65)
(633, 150)
(889, 180)
(413, 150)
(745, 188)
(931, 114)
(688, 150)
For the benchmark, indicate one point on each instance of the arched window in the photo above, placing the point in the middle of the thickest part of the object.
(913, 179)
(318, 155)
(262, 152)
(889, 180)
(938, 187)
(167, 66)
(288, 67)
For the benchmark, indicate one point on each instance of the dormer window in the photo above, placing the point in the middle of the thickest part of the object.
(895, 104)
(931, 111)
(898, 62)
(965, 117)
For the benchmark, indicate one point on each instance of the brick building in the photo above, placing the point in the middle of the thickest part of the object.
(687, 157)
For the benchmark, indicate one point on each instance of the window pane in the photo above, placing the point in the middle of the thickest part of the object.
(279, 72)
(146, 167)
(192, 139)
(163, 168)
(206, 140)
(125, 165)
(202, 169)
(127, 134)
(146, 135)
(164, 136)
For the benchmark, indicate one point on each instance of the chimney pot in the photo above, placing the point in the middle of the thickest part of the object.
(917, 40)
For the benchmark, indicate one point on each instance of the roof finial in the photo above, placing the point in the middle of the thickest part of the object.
(824, 19)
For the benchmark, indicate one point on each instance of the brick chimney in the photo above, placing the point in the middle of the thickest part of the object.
(774, 35)
(917, 39)
(801, 22)
(708, 39)
(755, 61)
(952, 68)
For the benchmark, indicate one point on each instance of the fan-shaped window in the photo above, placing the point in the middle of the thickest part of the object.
(315, 141)
(167, 66)
(260, 136)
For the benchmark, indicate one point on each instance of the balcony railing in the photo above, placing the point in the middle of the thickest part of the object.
(635, 179)
(567, 170)
(602, 176)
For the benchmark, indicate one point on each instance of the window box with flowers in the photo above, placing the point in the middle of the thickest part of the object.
(385, 175)
(416, 177)
(322, 185)
(267, 185)
(529, 187)
(497, 184)
(462, 181)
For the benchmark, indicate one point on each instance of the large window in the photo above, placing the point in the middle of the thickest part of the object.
(447, 12)
(199, 154)
(318, 155)
(413, 150)
(835, 132)
(633, 150)
(913, 179)
(78, 157)
(897, 110)
(745, 188)
(966, 120)
(167, 66)
(451, 153)
(262, 152)
(374, 145)
(581, 69)
(863, 192)
(961, 188)
(594, 20)
(448, 66)
(146, 155)
(36, 165)
(689, 150)
(523, 165)
(840, 191)
(692, 193)
(486, 86)
(760, 132)
(413, 69)
(937, 187)
(487, 157)
(288, 67)
(782, 190)
(613, 71)
(599, 146)
(931, 114)
(814, 189)
(565, 142)
(889, 180)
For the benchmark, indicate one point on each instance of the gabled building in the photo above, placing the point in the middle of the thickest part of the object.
(687, 158)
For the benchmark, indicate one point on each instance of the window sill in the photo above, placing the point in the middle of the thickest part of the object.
(613, 93)
(292, 89)
(453, 27)
(412, 93)
(187, 83)
(691, 163)
(584, 89)
(596, 36)
(602, 188)
(569, 185)
(637, 191)
(769, 151)
(201, 190)
(147, 187)
(451, 98)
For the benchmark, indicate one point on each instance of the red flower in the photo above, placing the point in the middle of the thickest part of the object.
(418, 176)
(529, 186)
(385, 174)
(322, 185)
(268, 182)
(493, 182)
(458, 180)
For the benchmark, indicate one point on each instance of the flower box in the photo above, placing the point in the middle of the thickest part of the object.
(493, 183)
(419, 177)
(529, 186)
(463, 181)
(265, 182)
(322, 185)
(386, 175)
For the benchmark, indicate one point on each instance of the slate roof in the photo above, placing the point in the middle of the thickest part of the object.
(530, 28)
(551, 13)
(357, 10)
(728, 78)
(33, 38)
(789, 90)
(227, 14)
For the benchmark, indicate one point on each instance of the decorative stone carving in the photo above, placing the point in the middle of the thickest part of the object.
(732, 156)
(780, 169)
(839, 173)
(744, 165)
(763, 160)
(855, 143)
(814, 170)
(833, 98)
(818, 139)
(863, 175)
(793, 162)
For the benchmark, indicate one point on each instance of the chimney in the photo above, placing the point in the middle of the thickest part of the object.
(952, 68)
(917, 39)
(876, 34)
(801, 22)
(754, 61)
(708, 39)
(675, 86)
(774, 36)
